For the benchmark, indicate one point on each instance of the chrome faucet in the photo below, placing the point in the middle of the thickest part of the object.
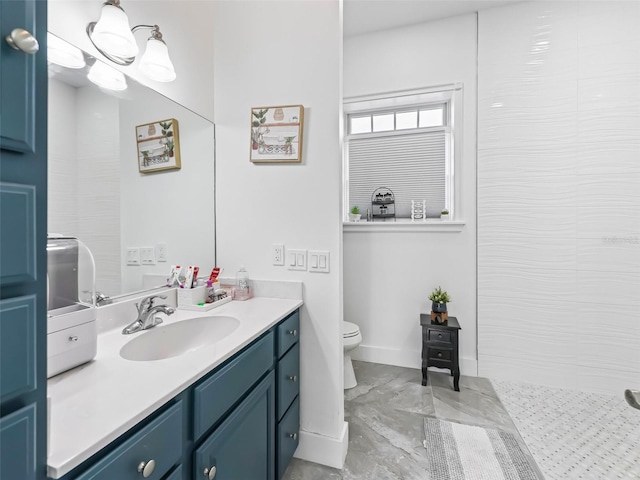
(146, 315)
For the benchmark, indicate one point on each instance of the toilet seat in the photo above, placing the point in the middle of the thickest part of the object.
(350, 330)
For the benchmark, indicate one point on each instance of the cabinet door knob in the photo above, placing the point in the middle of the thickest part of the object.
(293, 378)
(439, 335)
(439, 354)
(20, 39)
(146, 468)
(210, 473)
(293, 436)
(293, 332)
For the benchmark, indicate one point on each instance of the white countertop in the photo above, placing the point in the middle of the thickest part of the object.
(93, 404)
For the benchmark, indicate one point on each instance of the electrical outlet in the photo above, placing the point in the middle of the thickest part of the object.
(133, 256)
(277, 253)
(161, 252)
(147, 255)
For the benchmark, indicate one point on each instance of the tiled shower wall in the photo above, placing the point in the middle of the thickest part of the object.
(84, 175)
(559, 194)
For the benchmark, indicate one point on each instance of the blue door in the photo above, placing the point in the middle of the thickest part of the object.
(23, 227)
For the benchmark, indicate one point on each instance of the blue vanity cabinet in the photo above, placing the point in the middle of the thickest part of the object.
(23, 234)
(242, 447)
(287, 391)
(227, 425)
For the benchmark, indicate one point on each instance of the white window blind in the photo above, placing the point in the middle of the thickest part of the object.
(412, 165)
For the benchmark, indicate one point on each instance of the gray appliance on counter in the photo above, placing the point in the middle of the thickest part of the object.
(71, 311)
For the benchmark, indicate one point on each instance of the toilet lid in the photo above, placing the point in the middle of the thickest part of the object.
(349, 330)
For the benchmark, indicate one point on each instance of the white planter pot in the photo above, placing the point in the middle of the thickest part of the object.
(354, 217)
(444, 217)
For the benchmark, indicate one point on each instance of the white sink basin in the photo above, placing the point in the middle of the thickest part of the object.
(166, 341)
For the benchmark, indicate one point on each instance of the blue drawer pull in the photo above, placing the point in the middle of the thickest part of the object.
(292, 332)
(293, 378)
(293, 436)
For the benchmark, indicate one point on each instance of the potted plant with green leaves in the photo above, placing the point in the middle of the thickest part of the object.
(444, 215)
(354, 214)
(439, 299)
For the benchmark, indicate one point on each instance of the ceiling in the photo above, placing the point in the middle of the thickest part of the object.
(365, 16)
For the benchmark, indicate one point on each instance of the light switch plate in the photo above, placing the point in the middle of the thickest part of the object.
(296, 259)
(147, 255)
(319, 261)
(133, 256)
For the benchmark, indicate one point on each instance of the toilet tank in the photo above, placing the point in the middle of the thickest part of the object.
(71, 311)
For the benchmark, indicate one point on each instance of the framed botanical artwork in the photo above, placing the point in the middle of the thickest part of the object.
(276, 134)
(158, 146)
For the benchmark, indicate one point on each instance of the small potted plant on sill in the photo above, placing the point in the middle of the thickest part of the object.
(444, 215)
(439, 299)
(354, 214)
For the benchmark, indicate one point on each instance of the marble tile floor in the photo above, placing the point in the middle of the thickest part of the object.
(385, 412)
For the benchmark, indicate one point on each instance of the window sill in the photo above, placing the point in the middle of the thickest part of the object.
(404, 225)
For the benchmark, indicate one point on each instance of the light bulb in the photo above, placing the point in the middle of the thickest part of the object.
(107, 77)
(112, 33)
(155, 63)
(63, 53)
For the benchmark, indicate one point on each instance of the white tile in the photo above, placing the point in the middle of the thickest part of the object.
(545, 221)
(522, 253)
(543, 284)
(609, 254)
(615, 191)
(621, 288)
(599, 24)
(531, 369)
(608, 222)
(541, 160)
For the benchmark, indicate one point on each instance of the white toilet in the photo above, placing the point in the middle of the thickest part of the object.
(351, 338)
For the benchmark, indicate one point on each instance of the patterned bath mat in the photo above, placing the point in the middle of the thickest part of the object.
(465, 452)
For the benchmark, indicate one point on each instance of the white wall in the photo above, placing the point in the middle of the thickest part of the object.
(388, 276)
(281, 53)
(559, 194)
(186, 27)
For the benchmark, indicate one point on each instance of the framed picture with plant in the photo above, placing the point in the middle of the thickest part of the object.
(158, 146)
(276, 134)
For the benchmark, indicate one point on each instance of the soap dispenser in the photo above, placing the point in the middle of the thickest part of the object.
(243, 289)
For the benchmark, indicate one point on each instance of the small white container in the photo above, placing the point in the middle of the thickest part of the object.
(191, 296)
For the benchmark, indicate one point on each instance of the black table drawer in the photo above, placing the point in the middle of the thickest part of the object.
(441, 354)
(440, 336)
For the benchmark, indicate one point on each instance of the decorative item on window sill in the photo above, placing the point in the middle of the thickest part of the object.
(354, 214)
(418, 210)
(383, 204)
(113, 38)
(439, 299)
(444, 215)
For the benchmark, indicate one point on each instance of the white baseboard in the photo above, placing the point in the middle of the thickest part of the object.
(322, 449)
(406, 358)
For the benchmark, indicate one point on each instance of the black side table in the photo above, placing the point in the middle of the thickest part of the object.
(440, 347)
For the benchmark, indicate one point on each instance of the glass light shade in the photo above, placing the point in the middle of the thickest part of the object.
(113, 34)
(63, 54)
(107, 77)
(155, 63)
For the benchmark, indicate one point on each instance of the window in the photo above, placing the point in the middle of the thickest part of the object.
(402, 142)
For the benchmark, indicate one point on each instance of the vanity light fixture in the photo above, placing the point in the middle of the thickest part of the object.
(113, 38)
(107, 77)
(63, 53)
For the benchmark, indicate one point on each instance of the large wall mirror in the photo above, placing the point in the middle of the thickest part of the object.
(98, 193)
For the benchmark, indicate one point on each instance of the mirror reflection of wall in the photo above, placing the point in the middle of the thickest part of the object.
(97, 193)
